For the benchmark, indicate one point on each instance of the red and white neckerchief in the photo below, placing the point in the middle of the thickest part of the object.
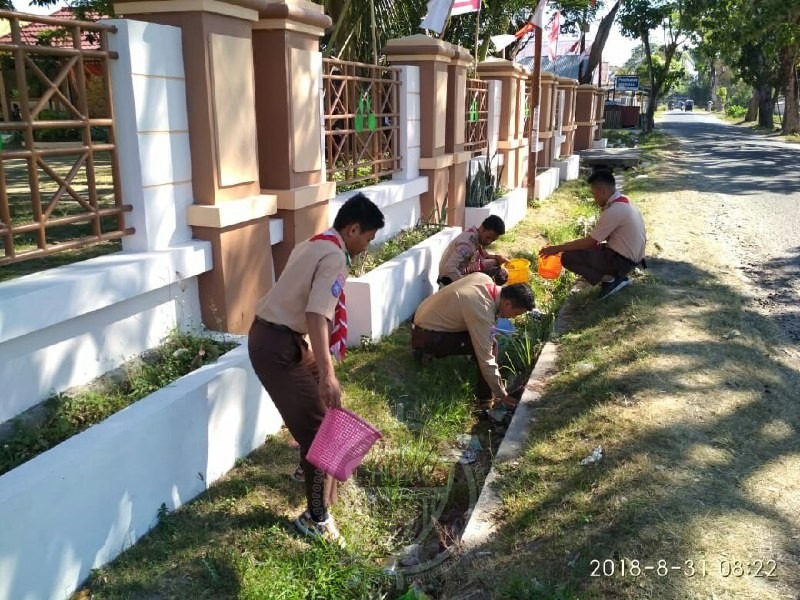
(477, 264)
(338, 339)
(619, 198)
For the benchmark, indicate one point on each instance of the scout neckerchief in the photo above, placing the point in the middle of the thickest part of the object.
(338, 339)
(473, 266)
(620, 198)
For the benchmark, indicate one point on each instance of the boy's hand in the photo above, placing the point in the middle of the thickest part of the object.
(330, 392)
(549, 251)
(500, 259)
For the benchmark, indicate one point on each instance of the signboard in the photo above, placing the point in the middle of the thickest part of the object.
(626, 83)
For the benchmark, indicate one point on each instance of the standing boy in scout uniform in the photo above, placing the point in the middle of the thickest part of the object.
(460, 319)
(467, 253)
(308, 300)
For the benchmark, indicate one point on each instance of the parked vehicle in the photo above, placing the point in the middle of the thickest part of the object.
(689, 104)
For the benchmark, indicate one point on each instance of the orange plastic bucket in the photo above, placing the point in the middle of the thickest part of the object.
(550, 266)
(518, 270)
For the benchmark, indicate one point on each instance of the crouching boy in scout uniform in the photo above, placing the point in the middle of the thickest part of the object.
(308, 300)
(460, 319)
(614, 247)
(467, 253)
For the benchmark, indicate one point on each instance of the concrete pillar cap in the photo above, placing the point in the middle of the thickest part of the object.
(462, 56)
(567, 82)
(500, 66)
(301, 11)
(548, 76)
(586, 87)
(419, 45)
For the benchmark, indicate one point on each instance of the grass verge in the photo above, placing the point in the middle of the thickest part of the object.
(687, 393)
(237, 540)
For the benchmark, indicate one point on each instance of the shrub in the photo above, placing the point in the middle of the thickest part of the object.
(735, 111)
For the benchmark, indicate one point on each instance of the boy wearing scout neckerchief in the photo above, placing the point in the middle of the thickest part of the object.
(308, 300)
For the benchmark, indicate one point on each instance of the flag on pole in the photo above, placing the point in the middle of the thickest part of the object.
(555, 26)
(538, 15)
(438, 11)
(461, 7)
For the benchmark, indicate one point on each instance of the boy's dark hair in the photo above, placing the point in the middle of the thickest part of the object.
(603, 176)
(520, 295)
(359, 210)
(494, 223)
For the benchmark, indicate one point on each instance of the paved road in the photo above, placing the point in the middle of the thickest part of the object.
(754, 182)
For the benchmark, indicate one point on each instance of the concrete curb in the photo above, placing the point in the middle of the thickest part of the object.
(481, 523)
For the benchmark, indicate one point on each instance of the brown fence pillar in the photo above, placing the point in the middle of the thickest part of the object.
(229, 210)
(568, 130)
(455, 135)
(599, 110)
(511, 140)
(433, 57)
(584, 116)
(547, 119)
(288, 80)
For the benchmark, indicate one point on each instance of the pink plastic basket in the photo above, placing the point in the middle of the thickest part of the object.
(341, 443)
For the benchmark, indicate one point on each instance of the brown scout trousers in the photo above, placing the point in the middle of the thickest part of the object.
(443, 343)
(286, 367)
(594, 264)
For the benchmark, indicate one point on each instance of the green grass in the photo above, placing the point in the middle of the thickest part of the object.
(237, 539)
(65, 415)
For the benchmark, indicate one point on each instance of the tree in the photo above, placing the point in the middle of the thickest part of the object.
(761, 39)
(639, 18)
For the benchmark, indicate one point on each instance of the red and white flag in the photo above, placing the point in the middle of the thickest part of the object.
(461, 7)
(555, 26)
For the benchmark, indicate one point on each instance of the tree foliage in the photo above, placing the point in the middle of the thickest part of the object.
(638, 19)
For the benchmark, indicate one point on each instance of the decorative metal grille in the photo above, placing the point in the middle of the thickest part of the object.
(57, 196)
(477, 117)
(362, 122)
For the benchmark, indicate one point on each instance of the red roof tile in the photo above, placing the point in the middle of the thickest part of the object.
(30, 33)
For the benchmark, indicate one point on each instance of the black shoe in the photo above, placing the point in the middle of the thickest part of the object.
(612, 287)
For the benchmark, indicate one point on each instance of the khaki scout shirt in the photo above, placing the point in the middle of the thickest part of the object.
(462, 256)
(467, 305)
(311, 282)
(622, 227)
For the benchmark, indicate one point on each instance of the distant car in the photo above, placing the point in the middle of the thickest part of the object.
(689, 104)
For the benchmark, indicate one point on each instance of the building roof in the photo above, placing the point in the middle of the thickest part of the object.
(30, 32)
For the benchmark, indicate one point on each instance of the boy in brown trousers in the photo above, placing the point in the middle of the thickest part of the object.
(307, 304)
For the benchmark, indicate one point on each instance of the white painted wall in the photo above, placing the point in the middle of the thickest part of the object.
(79, 505)
(512, 208)
(410, 123)
(397, 199)
(152, 124)
(385, 297)
(68, 325)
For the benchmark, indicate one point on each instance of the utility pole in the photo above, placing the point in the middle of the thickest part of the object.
(533, 123)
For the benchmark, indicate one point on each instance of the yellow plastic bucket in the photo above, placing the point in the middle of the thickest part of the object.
(518, 270)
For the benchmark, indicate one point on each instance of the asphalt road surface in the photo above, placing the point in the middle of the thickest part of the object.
(754, 183)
